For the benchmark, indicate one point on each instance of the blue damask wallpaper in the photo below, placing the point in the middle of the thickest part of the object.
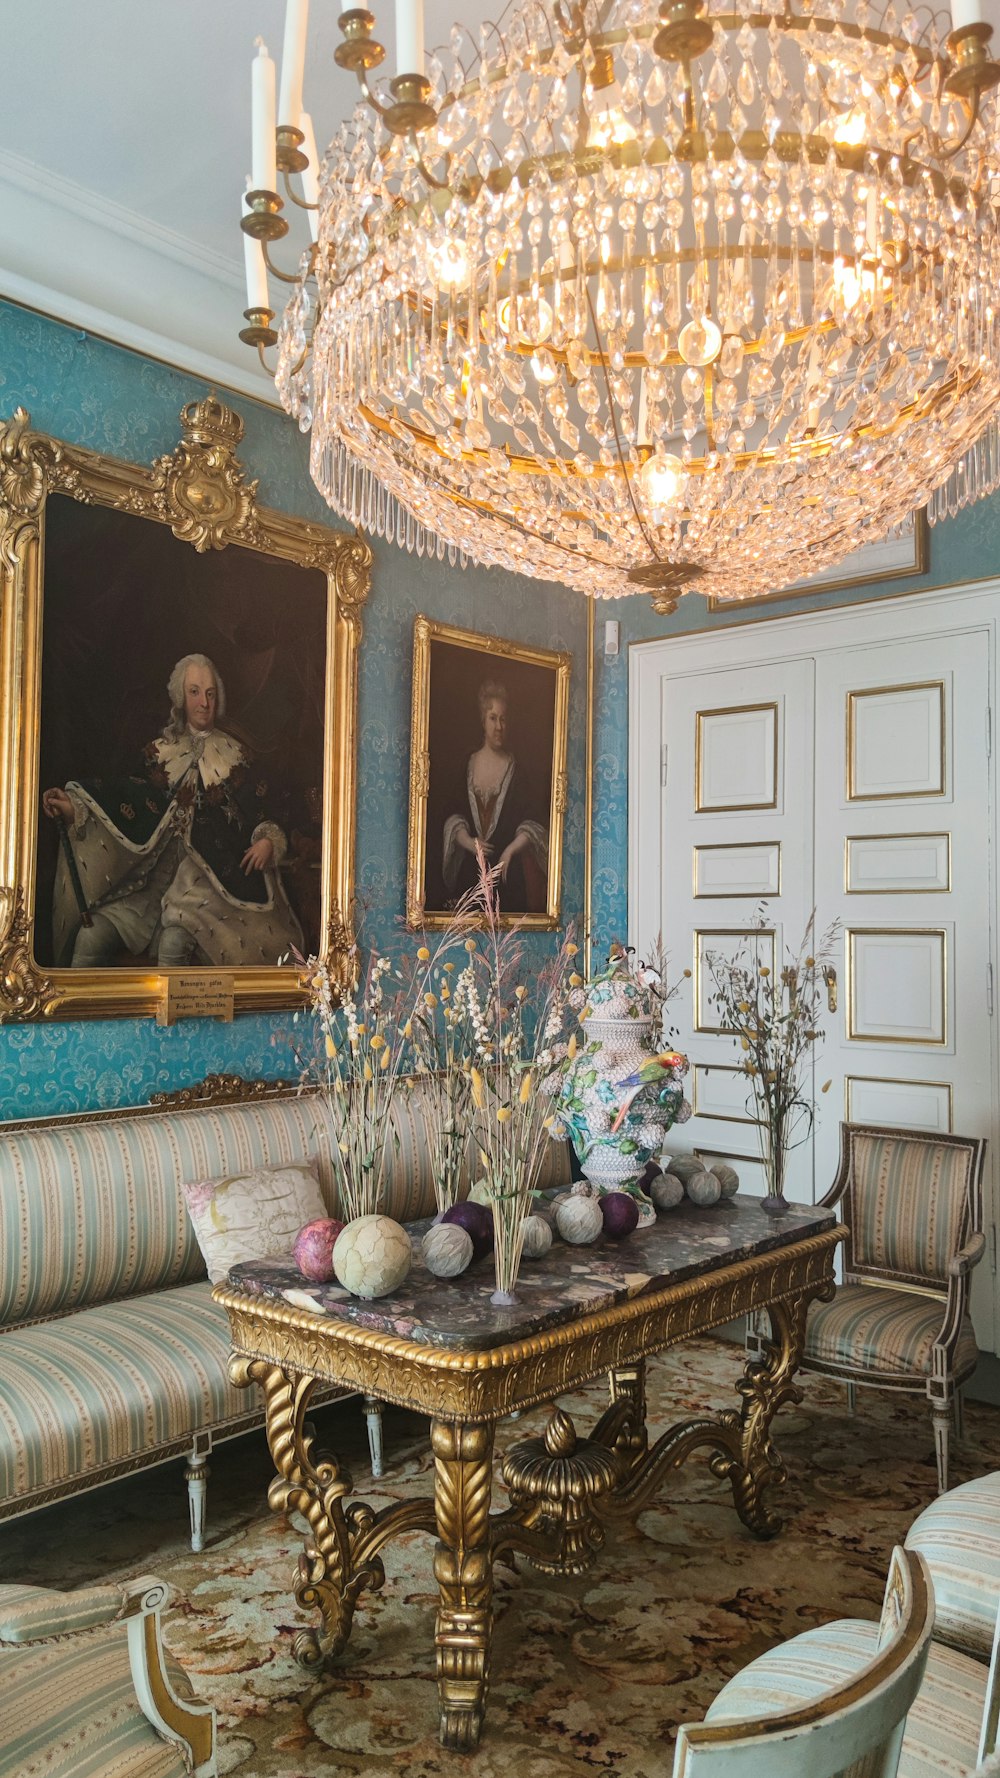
(93, 393)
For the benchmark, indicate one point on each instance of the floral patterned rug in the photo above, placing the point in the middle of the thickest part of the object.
(590, 1675)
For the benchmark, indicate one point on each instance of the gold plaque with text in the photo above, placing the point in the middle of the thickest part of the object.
(196, 996)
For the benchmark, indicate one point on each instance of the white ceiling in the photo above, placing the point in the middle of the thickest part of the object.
(124, 144)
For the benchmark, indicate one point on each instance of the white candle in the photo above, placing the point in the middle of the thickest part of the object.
(965, 13)
(256, 270)
(310, 174)
(293, 62)
(409, 36)
(264, 172)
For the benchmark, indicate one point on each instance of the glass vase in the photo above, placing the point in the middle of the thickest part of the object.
(509, 1211)
(774, 1159)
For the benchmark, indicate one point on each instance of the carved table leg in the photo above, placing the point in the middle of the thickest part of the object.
(754, 1464)
(628, 1384)
(463, 1569)
(315, 1488)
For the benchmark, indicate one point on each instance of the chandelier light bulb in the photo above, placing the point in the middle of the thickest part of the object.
(700, 342)
(661, 479)
(851, 129)
(609, 127)
(451, 263)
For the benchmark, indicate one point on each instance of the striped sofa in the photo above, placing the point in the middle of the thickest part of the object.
(113, 1355)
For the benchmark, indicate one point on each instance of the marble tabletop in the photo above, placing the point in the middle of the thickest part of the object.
(565, 1284)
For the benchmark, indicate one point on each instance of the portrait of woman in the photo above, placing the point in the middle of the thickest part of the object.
(492, 718)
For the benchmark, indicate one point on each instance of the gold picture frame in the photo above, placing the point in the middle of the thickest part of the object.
(830, 581)
(444, 666)
(202, 493)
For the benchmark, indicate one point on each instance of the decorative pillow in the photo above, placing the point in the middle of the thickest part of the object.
(252, 1215)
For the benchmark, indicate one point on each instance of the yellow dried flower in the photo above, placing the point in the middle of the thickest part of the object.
(470, 944)
(576, 981)
(368, 1071)
(825, 1088)
(525, 1094)
(384, 1059)
(449, 968)
(378, 1043)
(520, 992)
(331, 1048)
(571, 1046)
(503, 1113)
(764, 969)
(687, 974)
(445, 991)
(423, 955)
(408, 1028)
(477, 1087)
(572, 950)
(430, 999)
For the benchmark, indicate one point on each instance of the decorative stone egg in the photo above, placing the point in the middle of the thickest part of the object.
(703, 1188)
(728, 1178)
(372, 1256)
(313, 1249)
(447, 1249)
(667, 1191)
(579, 1220)
(683, 1165)
(537, 1233)
(620, 1213)
(477, 1221)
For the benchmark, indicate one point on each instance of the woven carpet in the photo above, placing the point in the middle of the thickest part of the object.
(590, 1675)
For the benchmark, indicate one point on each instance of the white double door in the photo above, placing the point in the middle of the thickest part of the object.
(848, 774)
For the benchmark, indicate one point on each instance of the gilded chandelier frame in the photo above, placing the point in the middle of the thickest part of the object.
(202, 492)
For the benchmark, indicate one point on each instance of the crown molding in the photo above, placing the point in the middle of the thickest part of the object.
(19, 173)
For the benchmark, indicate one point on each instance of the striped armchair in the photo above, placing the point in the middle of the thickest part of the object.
(913, 1206)
(89, 1690)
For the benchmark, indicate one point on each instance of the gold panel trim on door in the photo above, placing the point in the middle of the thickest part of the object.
(856, 839)
(701, 807)
(722, 1117)
(764, 936)
(735, 894)
(854, 1035)
(881, 691)
(888, 1080)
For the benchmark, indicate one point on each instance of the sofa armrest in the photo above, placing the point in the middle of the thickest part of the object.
(34, 1614)
(962, 1262)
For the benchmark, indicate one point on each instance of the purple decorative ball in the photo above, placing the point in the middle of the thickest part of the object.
(313, 1250)
(621, 1214)
(477, 1221)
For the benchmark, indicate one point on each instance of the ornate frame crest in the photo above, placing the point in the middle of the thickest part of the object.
(202, 491)
(425, 634)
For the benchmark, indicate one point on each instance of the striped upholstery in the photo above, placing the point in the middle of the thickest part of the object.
(942, 1729)
(93, 1211)
(908, 1204)
(886, 1332)
(959, 1535)
(70, 1711)
(91, 1390)
(27, 1613)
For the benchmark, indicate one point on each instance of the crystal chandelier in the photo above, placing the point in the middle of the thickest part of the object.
(647, 296)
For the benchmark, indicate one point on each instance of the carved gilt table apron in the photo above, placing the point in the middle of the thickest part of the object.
(439, 1346)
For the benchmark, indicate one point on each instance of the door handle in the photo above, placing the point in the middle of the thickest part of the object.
(830, 978)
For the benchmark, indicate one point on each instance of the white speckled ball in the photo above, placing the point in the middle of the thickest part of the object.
(728, 1178)
(667, 1191)
(372, 1255)
(580, 1220)
(447, 1249)
(703, 1188)
(537, 1237)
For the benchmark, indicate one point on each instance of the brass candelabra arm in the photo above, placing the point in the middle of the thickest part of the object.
(292, 195)
(286, 277)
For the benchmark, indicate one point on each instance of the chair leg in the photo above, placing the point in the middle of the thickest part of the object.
(959, 1406)
(196, 1475)
(852, 1399)
(942, 1431)
(373, 1415)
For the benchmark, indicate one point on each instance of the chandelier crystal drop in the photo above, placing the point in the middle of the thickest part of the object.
(656, 298)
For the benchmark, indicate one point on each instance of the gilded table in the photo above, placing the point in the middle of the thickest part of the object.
(439, 1346)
